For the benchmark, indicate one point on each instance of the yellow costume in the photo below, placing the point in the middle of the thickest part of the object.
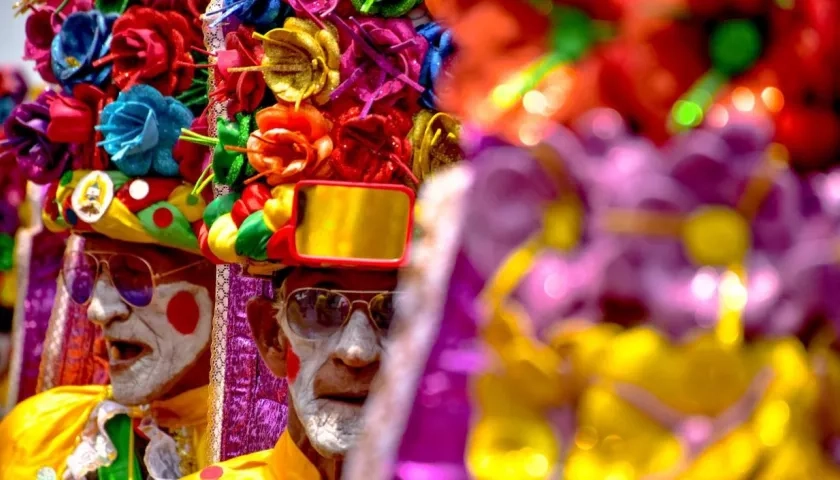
(284, 462)
(43, 432)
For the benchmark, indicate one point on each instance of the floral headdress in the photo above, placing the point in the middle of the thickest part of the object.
(107, 141)
(320, 96)
(308, 98)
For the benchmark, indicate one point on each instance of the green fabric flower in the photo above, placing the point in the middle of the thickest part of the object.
(232, 167)
(385, 8)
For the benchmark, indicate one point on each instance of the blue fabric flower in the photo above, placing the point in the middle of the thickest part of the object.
(141, 128)
(259, 13)
(440, 48)
(84, 38)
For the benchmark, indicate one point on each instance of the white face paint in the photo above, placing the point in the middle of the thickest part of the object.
(333, 382)
(147, 354)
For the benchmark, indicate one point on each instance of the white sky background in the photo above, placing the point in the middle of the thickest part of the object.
(11, 39)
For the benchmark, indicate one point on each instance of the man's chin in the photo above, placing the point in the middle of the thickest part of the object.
(333, 430)
(136, 385)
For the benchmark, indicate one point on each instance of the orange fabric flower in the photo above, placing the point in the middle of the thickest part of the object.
(290, 144)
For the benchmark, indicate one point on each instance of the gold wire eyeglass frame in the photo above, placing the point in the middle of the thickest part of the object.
(100, 262)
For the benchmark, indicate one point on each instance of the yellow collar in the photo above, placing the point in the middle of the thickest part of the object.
(183, 410)
(289, 463)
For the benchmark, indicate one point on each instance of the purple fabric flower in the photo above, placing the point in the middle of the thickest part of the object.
(811, 271)
(708, 184)
(381, 57)
(314, 7)
(40, 159)
(509, 197)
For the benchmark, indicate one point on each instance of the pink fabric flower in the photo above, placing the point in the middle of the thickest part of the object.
(382, 59)
(41, 28)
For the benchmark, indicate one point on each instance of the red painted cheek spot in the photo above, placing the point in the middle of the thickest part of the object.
(292, 364)
(182, 313)
(212, 473)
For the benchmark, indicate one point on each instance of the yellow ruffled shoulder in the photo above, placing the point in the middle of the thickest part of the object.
(284, 462)
(42, 431)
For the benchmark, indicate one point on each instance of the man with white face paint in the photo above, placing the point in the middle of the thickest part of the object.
(134, 265)
(326, 335)
(154, 351)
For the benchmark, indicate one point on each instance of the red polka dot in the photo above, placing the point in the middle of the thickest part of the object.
(162, 217)
(292, 364)
(211, 473)
(182, 313)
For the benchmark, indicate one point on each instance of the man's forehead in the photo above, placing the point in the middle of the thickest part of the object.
(340, 278)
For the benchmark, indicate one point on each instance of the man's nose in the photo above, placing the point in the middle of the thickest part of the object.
(105, 305)
(359, 344)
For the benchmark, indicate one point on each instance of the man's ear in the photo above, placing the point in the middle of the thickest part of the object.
(262, 316)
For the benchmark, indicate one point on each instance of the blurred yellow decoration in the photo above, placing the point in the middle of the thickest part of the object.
(509, 440)
(563, 224)
(716, 236)
(301, 61)
(767, 383)
(8, 288)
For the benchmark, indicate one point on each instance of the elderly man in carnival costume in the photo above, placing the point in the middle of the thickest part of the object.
(106, 142)
(645, 291)
(322, 168)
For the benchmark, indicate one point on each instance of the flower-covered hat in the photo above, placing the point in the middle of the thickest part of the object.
(106, 139)
(328, 127)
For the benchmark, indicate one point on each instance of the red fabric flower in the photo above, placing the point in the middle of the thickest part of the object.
(244, 90)
(373, 149)
(73, 119)
(190, 9)
(191, 156)
(152, 47)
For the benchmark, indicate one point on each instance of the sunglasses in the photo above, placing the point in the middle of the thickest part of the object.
(132, 276)
(318, 312)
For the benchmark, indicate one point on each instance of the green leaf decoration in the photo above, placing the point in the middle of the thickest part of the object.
(232, 168)
(112, 6)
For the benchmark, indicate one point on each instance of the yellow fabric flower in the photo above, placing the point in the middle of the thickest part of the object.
(301, 61)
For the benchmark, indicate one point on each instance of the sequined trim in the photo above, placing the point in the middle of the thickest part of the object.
(54, 342)
(214, 40)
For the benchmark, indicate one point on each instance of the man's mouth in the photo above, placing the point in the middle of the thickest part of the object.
(352, 398)
(123, 353)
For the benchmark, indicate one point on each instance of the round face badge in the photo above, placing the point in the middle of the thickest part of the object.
(92, 196)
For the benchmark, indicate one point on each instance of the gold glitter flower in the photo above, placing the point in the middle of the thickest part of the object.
(301, 60)
(434, 140)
